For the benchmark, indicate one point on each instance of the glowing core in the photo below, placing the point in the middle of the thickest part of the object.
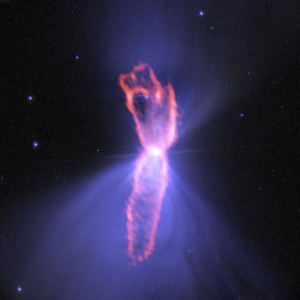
(155, 151)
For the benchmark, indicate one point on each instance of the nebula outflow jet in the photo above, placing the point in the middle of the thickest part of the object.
(154, 110)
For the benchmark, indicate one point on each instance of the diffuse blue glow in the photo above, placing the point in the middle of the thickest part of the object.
(91, 222)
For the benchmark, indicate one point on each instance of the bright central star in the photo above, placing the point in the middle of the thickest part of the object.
(155, 151)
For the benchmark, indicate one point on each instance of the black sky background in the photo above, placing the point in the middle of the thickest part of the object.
(240, 57)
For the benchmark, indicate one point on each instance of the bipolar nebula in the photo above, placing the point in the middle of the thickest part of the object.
(154, 110)
(80, 251)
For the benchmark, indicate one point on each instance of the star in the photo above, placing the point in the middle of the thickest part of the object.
(155, 151)
(35, 144)
(201, 13)
(19, 289)
(30, 98)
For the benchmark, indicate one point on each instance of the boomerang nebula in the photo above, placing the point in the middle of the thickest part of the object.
(154, 110)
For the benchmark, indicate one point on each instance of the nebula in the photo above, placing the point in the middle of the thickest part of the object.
(154, 110)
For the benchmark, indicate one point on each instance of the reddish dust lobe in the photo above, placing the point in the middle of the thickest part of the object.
(154, 110)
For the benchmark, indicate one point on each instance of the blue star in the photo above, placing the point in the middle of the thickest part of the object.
(35, 144)
(201, 13)
(241, 115)
(77, 57)
(19, 289)
(30, 98)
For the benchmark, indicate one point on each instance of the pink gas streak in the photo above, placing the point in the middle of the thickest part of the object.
(154, 110)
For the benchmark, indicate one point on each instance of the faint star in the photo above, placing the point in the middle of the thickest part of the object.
(19, 289)
(35, 144)
(201, 13)
(241, 115)
(30, 98)
(77, 57)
